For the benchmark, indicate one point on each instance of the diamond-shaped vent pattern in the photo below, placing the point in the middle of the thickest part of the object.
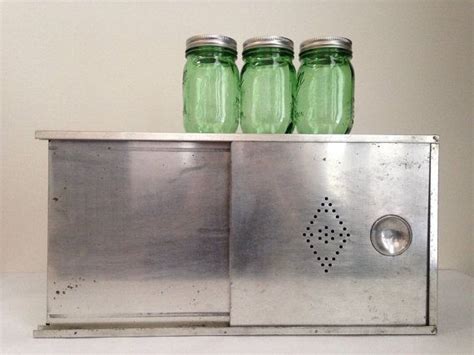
(326, 234)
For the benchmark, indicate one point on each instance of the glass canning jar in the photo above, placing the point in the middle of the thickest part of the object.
(211, 85)
(267, 85)
(325, 86)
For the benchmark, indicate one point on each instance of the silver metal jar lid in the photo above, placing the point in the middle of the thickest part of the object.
(269, 41)
(211, 40)
(326, 42)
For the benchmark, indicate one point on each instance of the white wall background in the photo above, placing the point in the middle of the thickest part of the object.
(117, 66)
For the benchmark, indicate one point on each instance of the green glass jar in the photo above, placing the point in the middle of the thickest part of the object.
(267, 85)
(211, 85)
(325, 86)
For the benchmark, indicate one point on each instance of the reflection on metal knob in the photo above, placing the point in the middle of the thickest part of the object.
(391, 235)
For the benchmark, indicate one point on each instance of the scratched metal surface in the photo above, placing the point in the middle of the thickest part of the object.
(138, 231)
(296, 202)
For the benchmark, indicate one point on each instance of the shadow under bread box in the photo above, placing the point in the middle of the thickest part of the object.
(208, 234)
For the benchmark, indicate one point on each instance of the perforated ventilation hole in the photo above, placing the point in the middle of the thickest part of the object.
(321, 232)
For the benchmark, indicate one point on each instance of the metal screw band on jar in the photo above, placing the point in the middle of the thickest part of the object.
(326, 42)
(211, 40)
(268, 41)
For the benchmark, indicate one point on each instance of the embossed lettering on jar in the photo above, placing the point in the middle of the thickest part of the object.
(211, 85)
(325, 86)
(268, 83)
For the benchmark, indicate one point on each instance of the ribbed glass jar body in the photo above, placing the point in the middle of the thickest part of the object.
(325, 92)
(268, 84)
(211, 90)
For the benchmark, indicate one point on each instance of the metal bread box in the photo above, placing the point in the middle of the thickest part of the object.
(206, 234)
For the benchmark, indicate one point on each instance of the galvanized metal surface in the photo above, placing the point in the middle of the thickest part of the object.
(433, 237)
(138, 231)
(300, 246)
(139, 234)
(208, 137)
(47, 332)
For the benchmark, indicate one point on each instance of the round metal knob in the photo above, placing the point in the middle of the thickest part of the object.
(391, 235)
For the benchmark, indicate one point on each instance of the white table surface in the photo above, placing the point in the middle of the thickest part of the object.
(23, 308)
